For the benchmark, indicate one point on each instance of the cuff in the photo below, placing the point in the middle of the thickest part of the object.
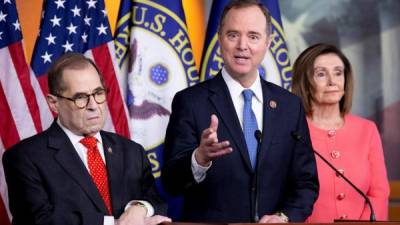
(199, 172)
(145, 204)
(109, 220)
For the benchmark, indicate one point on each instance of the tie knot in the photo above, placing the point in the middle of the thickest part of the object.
(89, 142)
(247, 94)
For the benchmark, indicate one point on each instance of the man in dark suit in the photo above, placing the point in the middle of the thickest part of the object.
(73, 172)
(211, 154)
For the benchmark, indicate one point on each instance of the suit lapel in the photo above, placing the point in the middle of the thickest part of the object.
(222, 101)
(271, 109)
(68, 158)
(115, 165)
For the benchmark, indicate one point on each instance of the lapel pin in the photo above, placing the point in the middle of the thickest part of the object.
(272, 104)
(109, 150)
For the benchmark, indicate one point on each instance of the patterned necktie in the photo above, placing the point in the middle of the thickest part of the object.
(249, 126)
(97, 170)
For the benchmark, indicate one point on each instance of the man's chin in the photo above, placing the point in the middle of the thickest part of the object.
(241, 69)
(92, 130)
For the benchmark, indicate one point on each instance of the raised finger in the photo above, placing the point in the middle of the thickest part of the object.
(214, 122)
(206, 133)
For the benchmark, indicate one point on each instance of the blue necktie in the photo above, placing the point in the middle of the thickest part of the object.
(249, 126)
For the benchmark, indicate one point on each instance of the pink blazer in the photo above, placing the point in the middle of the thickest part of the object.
(356, 150)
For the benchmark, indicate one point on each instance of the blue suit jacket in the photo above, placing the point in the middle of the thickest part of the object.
(49, 184)
(286, 179)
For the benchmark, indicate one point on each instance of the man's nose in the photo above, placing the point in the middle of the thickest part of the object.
(92, 104)
(243, 43)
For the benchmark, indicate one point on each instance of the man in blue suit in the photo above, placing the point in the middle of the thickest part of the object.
(74, 173)
(212, 156)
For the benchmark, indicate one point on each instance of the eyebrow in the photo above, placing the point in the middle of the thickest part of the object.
(339, 67)
(324, 68)
(231, 31)
(84, 93)
(254, 32)
(236, 31)
(319, 68)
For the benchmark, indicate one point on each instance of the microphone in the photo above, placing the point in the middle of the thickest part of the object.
(298, 137)
(258, 137)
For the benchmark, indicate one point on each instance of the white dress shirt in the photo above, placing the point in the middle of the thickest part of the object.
(82, 152)
(235, 91)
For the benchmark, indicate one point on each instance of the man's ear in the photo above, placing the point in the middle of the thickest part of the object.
(53, 103)
(269, 40)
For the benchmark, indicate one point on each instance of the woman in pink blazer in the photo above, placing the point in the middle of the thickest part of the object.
(322, 77)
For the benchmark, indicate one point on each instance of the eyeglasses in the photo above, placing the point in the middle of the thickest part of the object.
(82, 100)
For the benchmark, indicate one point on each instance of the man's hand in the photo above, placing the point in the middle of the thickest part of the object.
(156, 219)
(210, 148)
(272, 219)
(136, 215)
(133, 215)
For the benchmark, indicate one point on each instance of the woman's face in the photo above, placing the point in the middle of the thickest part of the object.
(328, 80)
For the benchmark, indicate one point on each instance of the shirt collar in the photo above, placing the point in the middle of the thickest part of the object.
(75, 139)
(236, 89)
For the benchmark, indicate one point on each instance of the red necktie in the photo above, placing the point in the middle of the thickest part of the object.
(97, 169)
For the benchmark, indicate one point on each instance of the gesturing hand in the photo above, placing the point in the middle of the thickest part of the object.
(210, 148)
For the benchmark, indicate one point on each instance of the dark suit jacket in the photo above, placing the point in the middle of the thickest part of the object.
(287, 176)
(49, 184)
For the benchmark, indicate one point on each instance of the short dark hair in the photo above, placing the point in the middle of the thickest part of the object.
(67, 61)
(303, 71)
(237, 4)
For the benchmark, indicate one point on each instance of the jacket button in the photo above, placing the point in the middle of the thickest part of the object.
(331, 133)
(335, 154)
(340, 171)
(340, 196)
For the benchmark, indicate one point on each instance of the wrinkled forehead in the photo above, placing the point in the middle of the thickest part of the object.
(329, 60)
(250, 15)
(84, 79)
